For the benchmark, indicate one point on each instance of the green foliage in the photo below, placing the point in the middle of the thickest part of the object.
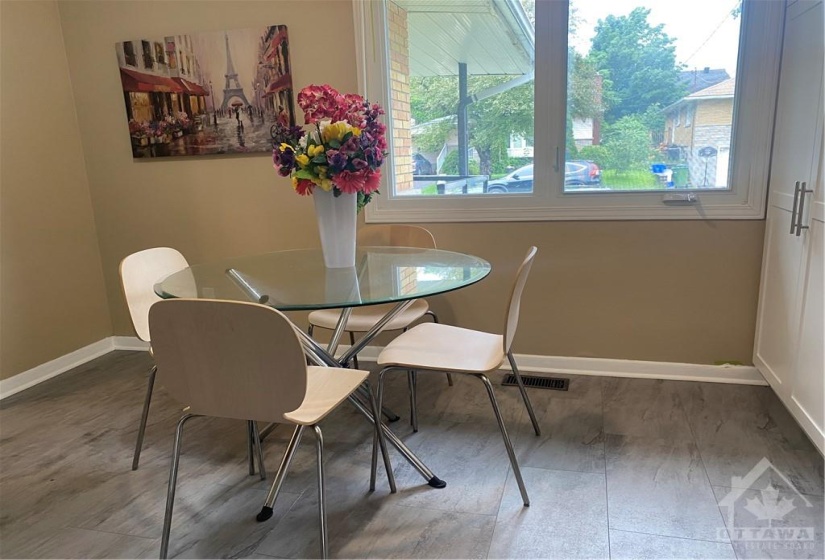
(627, 144)
(639, 60)
(491, 121)
(596, 154)
(450, 166)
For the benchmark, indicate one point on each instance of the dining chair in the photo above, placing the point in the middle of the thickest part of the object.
(139, 272)
(362, 319)
(231, 359)
(439, 347)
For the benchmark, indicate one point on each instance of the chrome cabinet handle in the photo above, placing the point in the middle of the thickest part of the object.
(802, 192)
(793, 210)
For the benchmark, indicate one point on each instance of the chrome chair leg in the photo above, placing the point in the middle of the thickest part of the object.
(250, 447)
(266, 510)
(170, 492)
(379, 441)
(524, 396)
(352, 343)
(322, 499)
(310, 330)
(144, 417)
(412, 381)
(434, 317)
(256, 440)
(505, 437)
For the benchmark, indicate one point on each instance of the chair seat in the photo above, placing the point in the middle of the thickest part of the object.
(326, 389)
(445, 348)
(363, 319)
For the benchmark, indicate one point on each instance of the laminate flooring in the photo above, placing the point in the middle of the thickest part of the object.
(624, 468)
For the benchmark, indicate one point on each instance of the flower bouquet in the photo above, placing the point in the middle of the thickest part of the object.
(338, 161)
(343, 150)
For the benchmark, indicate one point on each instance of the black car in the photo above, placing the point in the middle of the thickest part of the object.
(576, 173)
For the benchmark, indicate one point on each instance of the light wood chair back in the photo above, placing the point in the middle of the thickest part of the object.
(515, 299)
(228, 359)
(139, 272)
(396, 235)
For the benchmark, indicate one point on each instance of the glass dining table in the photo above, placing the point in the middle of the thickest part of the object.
(297, 280)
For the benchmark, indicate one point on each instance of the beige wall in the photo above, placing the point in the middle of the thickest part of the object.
(673, 291)
(51, 283)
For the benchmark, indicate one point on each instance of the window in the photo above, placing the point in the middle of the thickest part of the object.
(129, 53)
(159, 55)
(148, 59)
(599, 121)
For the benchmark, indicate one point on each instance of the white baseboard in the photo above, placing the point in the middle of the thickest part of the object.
(129, 343)
(743, 375)
(53, 368)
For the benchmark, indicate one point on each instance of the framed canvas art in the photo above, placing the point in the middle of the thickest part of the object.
(215, 92)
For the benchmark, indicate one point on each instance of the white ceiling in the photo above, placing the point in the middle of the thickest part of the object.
(491, 36)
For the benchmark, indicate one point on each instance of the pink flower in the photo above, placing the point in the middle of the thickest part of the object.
(319, 102)
(373, 181)
(350, 182)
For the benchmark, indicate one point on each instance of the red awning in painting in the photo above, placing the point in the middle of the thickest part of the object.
(190, 87)
(138, 81)
(280, 83)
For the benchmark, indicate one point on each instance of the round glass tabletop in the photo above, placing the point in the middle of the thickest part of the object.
(298, 279)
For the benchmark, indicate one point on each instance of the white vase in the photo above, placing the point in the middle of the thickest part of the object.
(336, 224)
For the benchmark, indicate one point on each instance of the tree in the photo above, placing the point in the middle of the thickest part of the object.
(491, 121)
(639, 60)
(626, 144)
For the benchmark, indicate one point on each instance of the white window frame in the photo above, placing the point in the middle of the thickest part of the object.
(757, 81)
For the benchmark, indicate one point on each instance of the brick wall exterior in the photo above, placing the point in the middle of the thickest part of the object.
(400, 97)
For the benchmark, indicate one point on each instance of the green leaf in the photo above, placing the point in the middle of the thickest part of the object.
(320, 158)
(335, 144)
(303, 174)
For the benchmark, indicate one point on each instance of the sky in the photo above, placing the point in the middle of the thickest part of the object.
(210, 49)
(705, 32)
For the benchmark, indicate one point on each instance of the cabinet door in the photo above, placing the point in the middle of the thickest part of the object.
(809, 385)
(795, 143)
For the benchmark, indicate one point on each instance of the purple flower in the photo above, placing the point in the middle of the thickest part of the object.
(359, 163)
(336, 159)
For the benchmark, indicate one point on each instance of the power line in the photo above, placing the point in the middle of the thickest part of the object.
(712, 33)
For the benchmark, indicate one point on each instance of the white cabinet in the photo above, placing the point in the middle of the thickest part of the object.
(789, 348)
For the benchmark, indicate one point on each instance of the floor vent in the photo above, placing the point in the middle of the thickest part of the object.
(554, 383)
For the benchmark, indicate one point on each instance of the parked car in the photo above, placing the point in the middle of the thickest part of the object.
(576, 173)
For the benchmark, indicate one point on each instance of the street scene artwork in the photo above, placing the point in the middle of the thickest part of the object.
(215, 92)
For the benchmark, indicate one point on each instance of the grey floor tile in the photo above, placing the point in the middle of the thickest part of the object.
(660, 487)
(571, 422)
(645, 407)
(772, 521)
(625, 545)
(69, 542)
(472, 459)
(567, 517)
(404, 532)
(737, 426)
(67, 489)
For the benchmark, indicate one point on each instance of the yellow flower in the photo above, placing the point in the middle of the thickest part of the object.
(322, 171)
(315, 150)
(356, 131)
(336, 131)
(303, 160)
(285, 147)
(325, 184)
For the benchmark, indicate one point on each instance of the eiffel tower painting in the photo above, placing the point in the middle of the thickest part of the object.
(231, 77)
